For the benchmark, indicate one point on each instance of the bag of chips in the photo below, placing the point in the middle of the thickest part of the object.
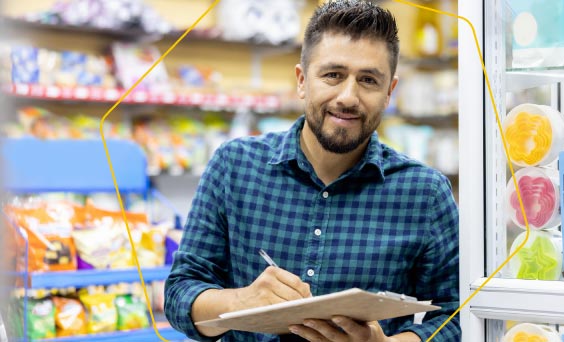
(101, 312)
(132, 313)
(70, 318)
(48, 227)
(40, 318)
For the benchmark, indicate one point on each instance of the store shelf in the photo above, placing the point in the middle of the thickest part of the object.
(211, 101)
(134, 34)
(447, 120)
(503, 299)
(140, 335)
(83, 278)
(519, 80)
(432, 63)
(128, 34)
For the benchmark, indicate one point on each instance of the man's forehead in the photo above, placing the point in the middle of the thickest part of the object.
(367, 53)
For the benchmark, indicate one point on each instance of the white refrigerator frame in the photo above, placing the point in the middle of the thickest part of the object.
(482, 175)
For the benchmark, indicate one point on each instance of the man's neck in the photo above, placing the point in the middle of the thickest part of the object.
(327, 165)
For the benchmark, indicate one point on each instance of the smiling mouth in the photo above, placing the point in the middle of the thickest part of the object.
(344, 116)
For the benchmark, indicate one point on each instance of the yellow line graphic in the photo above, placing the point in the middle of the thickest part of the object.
(490, 93)
(399, 1)
(112, 169)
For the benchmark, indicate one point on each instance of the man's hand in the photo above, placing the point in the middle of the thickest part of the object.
(344, 329)
(274, 285)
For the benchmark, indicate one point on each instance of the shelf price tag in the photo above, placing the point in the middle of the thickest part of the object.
(183, 99)
(197, 98)
(169, 98)
(53, 92)
(36, 90)
(247, 101)
(111, 94)
(222, 100)
(97, 93)
(140, 96)
(66, 92)
(81, 93)
(21, 89)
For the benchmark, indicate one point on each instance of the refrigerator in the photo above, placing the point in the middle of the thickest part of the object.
(511, 284)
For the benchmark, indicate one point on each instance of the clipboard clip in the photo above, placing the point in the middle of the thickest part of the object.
(399, 296)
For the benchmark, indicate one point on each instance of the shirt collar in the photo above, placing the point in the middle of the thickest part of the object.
(290, 150)
(289, 147)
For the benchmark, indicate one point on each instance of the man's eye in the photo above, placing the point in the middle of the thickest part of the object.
(332, 75)
(369, 80)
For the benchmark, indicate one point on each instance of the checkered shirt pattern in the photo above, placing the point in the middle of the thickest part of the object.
(389, 223)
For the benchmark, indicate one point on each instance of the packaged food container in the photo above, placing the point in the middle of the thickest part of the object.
(540, 257)
(531, 332)
(534, 134)
(540, 193)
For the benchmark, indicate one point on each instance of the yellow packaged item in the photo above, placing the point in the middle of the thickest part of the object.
(101, 312)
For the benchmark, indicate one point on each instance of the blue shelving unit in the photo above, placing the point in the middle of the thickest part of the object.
(31, 165)
(83, 278)
(141, 335)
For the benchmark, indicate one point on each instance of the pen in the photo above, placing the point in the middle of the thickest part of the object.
(267, 258)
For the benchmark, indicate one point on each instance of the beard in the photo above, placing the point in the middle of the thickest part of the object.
(341, 140)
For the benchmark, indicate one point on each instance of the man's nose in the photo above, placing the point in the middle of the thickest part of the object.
(348, 95)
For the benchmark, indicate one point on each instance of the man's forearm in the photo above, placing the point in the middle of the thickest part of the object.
(406, 337)
(209, 305)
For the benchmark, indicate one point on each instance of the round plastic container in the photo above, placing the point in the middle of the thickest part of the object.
(541, 198)
(540, 258)
(528, 332)
(534, 134)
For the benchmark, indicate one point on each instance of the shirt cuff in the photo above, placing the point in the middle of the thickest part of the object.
(187, 325)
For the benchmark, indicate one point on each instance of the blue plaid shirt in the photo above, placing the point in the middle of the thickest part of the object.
(389, 223)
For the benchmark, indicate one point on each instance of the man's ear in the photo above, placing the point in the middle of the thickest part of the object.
(300, 78)
(391, 89)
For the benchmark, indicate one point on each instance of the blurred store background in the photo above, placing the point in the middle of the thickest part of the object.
(65, 62)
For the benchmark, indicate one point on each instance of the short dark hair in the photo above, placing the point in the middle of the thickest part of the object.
(354, 18)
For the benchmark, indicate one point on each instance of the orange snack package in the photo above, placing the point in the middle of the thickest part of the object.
(48, 227)
(70, 317)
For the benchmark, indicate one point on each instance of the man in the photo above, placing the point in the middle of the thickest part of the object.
(331, 205)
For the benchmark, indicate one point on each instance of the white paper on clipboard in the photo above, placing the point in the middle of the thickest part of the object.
(355, 303)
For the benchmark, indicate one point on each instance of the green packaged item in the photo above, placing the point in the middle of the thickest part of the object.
(132, 313)
(40, 318)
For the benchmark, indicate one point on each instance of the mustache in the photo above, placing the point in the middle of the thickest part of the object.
(345, 110)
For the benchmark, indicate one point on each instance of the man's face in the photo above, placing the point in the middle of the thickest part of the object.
(346, 89)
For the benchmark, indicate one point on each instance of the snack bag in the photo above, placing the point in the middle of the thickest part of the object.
(131, 60)
(101, 312)
(152, 244)
(37, 122)
(132, 313)
(70, 318)
(41, 318)
(104, 242)
(24, 64)
(48, 227)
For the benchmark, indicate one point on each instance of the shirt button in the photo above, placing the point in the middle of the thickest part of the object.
(310, 272)
(325, 194)
(317, 232)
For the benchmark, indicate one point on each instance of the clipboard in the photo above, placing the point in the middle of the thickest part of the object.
(355, 303)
